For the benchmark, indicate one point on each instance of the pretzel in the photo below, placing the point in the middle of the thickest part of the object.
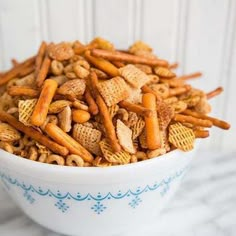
(146, 89)
(15, 71)
(174, 65)
(43, 71)
(151, 123)
(201, 133)
(67, 141)
(39, 58)
(104, 113)
(102, 64)
(26, 70)
(136, 108)
(41, 109)
(125, 57)
(14, 62)
(214, 93)
(179, 90)
(93, 108)
(190, 76)
(118, 64)
(216, 122)
(34, 134)
(192, 120)
(23, 91)
(173, 82)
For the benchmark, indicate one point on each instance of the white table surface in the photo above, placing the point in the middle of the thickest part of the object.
(205, 204)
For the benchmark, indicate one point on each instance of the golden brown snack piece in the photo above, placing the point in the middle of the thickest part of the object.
(23, 91)
(152, 124)
(26, 108)
(80, 116)
(61, 51)
(74, 160)
(102, 64)
(41, 109)
(214, 93)
(58, 106)
(42, 74)
(179, 90)
(104, 113)
(56, 160)
(101, 162)
(67, 141)
(65, 119)
(8, 133)
(57, 67)
(93, 108)
(39, 58)
(134, 76)
(201, 133)
(216, 122)
(164, 72)
(190, 76)
(125, 57)
(174, 65)
(34, 134)
(181, 137)
(121, 157)
(113, 90)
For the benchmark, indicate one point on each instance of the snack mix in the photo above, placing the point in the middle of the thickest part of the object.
(93, 105)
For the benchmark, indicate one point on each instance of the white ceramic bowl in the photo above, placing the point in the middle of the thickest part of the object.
(119, 200)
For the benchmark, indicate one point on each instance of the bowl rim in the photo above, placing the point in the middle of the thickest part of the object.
(50, 167)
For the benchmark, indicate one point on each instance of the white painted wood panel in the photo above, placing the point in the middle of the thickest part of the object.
(200, 34)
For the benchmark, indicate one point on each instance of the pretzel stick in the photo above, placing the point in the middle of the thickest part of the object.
(174, 65)
(102, 64)
(34, 134)
(201, 133)
(216, 122)
(173, 82)
(190, 76)
(41, 109)
(66, 140)
(23, 91)
(14, 62)
(93, 108)
(118, 64)
(125, 57)
(39, 58)
(26, 71)
(140, 110)
(43, 71)
(105, 115)
(214, 93)
(179, 90)
(192, 120)
(15, 71)
(151, 123)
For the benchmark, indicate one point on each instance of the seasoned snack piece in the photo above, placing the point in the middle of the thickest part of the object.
(179, 106)
(8, 133)
(57, 67)
(65, 119)
(151, 123)
(124, 135)
(162, 90)
(41, 108)
(39, 58)
(93, 108)
(61, 51)
(139, 46)
(190, 76)
(23, 91)
(42, 74)
(137, 128)
(74, 88)
(156, 152)
(121, 157)
(201, 133)
(56, 160)
(134, 76)
(88, 137)
(58, 106)
(164, 72)
(102, 44)
(67, 141)
(113, 90)
(214, 93)
(101, 162)
(74, 160)
(34, 134)
(125, 57)
(26, 108)
(80, 116)
(104, 113)
(181, 137)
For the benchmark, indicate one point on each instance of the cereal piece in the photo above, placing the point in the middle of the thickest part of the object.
(57, 67)
(141, 156)
(65, 119)
(113, 90)
(100, 74)
(137, 128)
(58, 106)
(80, 71)
(164, 72)
(164, 140)
(113, 110)
(6, 102)
(171, 100)
(181, 137)
(165, 114)
(156, 152)
(153, 79)
(143, 140)
(26, 108)
(74, 160)
(144, 68)
(56, 160)
(80, 105)
(74, 88)
(33, 153)
(7, 147)
(124, 135)
(8, 133)
(102, 44)
(60, 79)
(203, 106)
(88, 137)
(28, 80)
(101, 162)
(134, 76)
(121, 157)
(80, 116)
(61, 51)
(122, 114)
(132, 119)
(139, 46)
(161, 90)
(179, 106)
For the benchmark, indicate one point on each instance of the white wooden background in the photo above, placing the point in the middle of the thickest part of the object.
(200, 34)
